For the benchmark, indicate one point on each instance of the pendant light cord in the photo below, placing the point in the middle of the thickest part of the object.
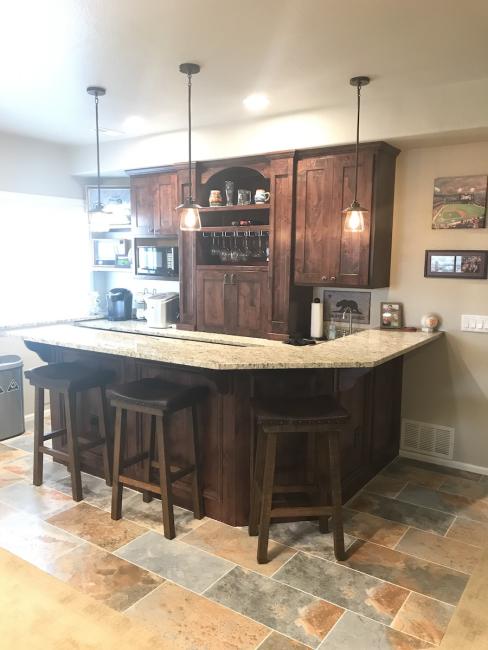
(357, 146)
(99, 206)
(190, 189)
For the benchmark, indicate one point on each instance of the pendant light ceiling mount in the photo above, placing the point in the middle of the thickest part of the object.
(97, 211)
(355, 213)
(97, 91)
(189, 210)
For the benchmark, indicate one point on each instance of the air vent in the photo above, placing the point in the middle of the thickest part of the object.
(427, 439)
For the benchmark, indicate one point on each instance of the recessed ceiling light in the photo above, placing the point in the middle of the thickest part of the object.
(133, 124)
(256, 102)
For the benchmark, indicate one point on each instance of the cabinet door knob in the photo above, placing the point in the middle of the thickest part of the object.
(324, 277)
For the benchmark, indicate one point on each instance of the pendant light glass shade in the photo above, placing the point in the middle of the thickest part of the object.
(354, 215)
(99, 214)
(189, 211)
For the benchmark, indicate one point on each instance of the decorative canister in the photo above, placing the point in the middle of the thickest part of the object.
(215, 198)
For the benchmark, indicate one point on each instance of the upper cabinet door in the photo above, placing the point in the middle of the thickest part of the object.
(324, 253)
(142, 204)
(352, 249)
(316, 224)
(166, 201)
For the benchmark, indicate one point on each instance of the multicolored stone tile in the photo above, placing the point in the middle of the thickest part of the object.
(277, 641)
(23, 467)
(25, 442)
(424, 618)
(7, 478)
(442, 470)
(8, 454)
(235, 545)
(298, 615)
(172, 559)
(405, 513)
(103, 576)
(305, 536)
(465, 488)
(354, 632)
(150, 514)
(95, 491)
(34, 540)
(387, 486)
(400, 470)
(96, 526)
(445, 551)
(189, 621)
(410, 572)
(451, 503)
(42, 501)
(356, 591)
(372, 528)
(466, 530)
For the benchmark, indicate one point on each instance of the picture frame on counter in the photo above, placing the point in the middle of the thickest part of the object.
(391, 315)
(462, 264)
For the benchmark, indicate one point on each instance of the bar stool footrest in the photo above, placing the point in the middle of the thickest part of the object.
(53, 434)
(301, 511)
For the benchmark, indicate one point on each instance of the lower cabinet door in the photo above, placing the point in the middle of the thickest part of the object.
(211, 290)
(247, 306)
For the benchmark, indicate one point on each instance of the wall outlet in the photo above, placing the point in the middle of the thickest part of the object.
(473, 323)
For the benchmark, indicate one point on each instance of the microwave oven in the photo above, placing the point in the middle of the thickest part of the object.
(156, 258)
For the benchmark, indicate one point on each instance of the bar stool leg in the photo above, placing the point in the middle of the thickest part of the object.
(256, 482)
(73, 456)
(38, 435)
(103, 431)
(165, 479)
(146, 495)
(198, 506)
(322, 465)
(336, 494)
(267, 498)
(119, 446)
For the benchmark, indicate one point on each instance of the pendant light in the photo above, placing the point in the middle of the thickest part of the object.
(354, 214)
(98, 212)
(189, 210)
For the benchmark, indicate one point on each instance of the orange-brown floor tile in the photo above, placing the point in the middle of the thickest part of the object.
(388, 486)
(103, 576)
(449, 552)
(372, 528)
(8, 454)
(96, 526)
(190, 621)
(424, 618)
(473, 532)
(236, 545)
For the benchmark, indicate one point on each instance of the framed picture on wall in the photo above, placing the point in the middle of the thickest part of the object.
(391, 315)
(339, 303)
(456, 264)
(459, 202)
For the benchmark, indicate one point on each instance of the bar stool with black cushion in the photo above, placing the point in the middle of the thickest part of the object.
(69, 379)
(321, 417)
(159, 399)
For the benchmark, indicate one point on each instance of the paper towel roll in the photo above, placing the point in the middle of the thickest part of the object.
(317, 320)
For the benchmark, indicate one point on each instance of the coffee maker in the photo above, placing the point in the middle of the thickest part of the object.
(119, 304)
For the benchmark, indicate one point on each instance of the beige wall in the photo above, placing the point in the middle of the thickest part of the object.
(447, 382)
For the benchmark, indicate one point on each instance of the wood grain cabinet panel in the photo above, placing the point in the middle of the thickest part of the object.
(211, 290)
(166, 220)
(142, 204)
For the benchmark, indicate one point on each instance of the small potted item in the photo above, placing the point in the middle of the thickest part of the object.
(215, 199)
(429, 323)
(261, 196)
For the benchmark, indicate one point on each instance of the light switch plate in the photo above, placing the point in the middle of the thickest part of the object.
(473, 323)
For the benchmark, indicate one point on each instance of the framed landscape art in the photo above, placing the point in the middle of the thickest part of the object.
(456, 264)
(459, 202)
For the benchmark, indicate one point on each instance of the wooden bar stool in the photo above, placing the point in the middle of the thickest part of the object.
(321, 417)
(159, 399)
(69, 379)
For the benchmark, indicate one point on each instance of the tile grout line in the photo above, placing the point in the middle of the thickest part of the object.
(402, 536)
(260, 644)
(336, 623)
(284, 564)
(450, 526)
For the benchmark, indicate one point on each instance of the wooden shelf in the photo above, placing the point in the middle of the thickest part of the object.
(115, 269)
(253, 228)
(232, 267)
(237, 208)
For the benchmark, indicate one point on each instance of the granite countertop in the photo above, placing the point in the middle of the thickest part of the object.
(365, 349)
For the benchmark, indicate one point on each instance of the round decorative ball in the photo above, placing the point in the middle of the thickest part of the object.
(429, 322)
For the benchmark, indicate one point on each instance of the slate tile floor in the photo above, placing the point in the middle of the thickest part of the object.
(414, 535)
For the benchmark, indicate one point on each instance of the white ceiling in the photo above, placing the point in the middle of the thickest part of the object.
(300, 52)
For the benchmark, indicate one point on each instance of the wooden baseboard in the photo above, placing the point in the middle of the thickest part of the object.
(456, 464)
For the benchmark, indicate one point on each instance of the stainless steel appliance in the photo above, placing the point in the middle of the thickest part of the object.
(156, 258)
(162, 309)
(119, 304)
